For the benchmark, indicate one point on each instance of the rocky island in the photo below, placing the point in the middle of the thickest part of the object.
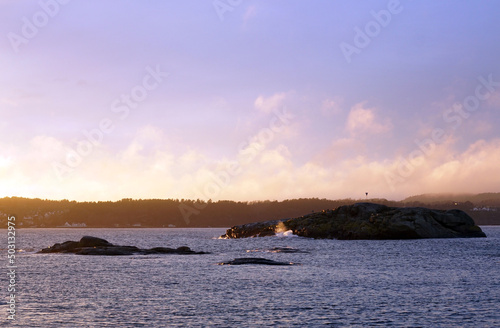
(368, 221)
(96, 246)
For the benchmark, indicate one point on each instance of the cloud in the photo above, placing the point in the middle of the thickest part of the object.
(494, 100)
(331, 107)
(277, 177)
(45, 147)
(362, 120)
(447, 170)
(482, 127)
(339, 149)
(148, 168)
(268, 104)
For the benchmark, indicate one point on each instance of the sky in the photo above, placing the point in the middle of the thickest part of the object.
(248, 99)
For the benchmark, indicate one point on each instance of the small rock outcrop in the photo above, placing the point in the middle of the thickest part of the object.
(254, 260)
(96, 246)
(369, 221)
(257, 229)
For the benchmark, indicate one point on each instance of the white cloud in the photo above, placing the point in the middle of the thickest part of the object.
(340, 149)
(475, 170)
(45, 147)
(268, 104)
(149, 133)
(274, 173)
(331, 107)
(494, 100)
(482, 127)
(362, 120)
(276, 177)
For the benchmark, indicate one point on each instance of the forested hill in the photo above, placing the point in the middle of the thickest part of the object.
(189, 213)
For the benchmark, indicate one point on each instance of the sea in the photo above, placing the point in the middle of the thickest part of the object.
(333, 283)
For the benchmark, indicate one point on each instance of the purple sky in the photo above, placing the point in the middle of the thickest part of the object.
(248, 100)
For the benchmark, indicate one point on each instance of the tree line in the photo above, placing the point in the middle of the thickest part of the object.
(199, 213)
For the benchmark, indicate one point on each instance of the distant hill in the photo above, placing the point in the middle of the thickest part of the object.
(483, 208)
(487, 199)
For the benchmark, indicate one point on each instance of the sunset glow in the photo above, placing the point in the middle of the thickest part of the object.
(104, 100)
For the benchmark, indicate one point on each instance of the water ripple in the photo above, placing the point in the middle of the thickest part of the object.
(438, 283)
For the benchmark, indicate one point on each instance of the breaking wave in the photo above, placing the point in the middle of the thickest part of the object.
(285, 234)
(282, 231)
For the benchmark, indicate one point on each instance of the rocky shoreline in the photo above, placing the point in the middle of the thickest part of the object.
(368, 221)
(357, 221)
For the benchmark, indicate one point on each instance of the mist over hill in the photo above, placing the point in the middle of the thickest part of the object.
(488, 199)
(483, 208)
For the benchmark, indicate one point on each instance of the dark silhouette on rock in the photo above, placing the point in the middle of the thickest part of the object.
(369, 221)
(96, 246)
(254, 260)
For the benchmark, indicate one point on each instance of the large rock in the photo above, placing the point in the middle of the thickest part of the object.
(369, 221)
(97, 246)
(257, 229)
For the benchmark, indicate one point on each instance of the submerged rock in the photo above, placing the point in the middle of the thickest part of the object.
(254, 260)
(369, 221)
(286, 249)
(96, 246)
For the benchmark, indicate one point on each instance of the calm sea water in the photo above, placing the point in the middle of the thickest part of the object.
(411, 283)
